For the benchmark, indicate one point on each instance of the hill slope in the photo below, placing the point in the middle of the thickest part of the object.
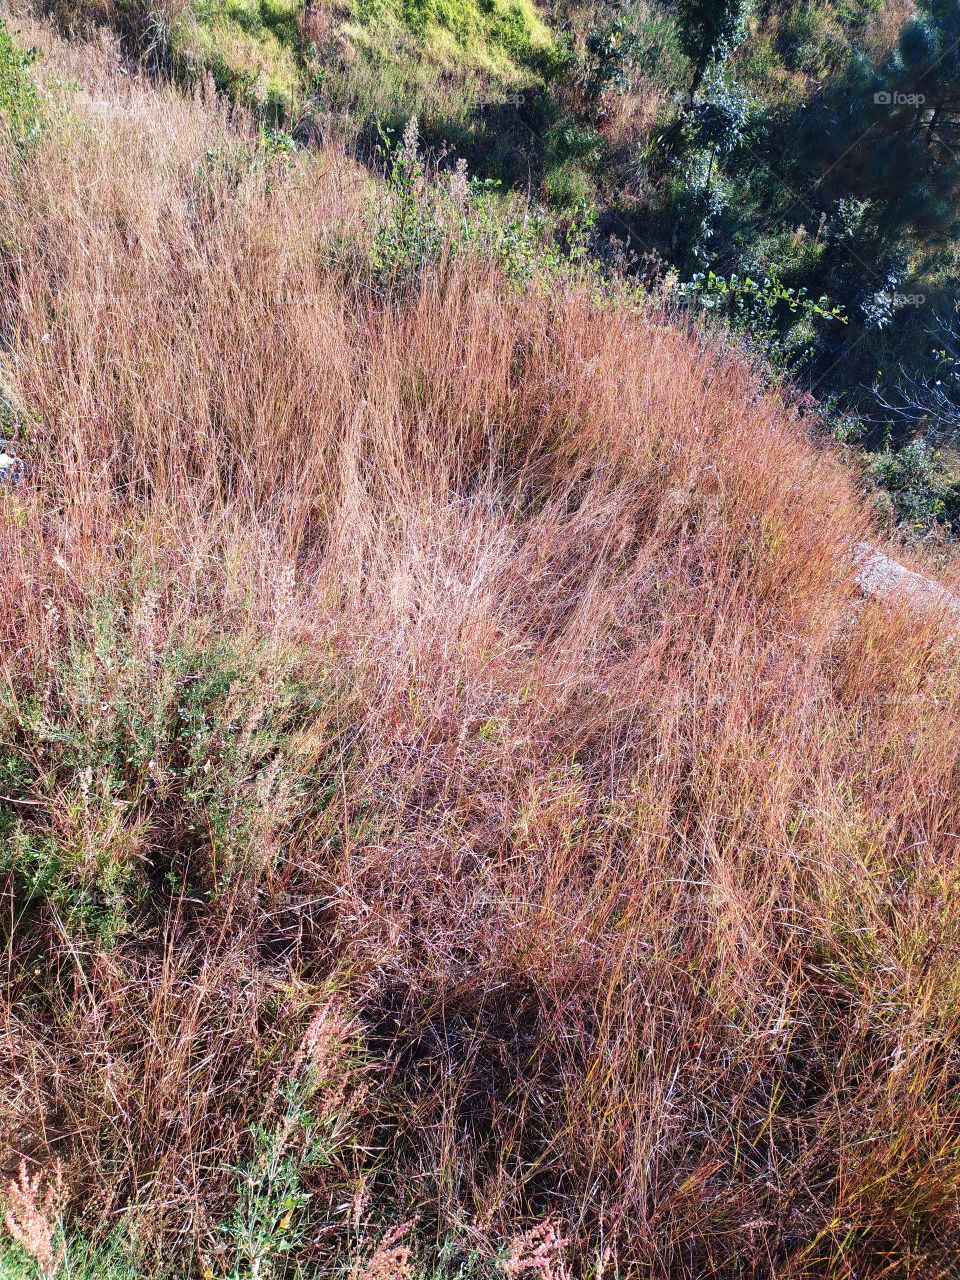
(451, 786)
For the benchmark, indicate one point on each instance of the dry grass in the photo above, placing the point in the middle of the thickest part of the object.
(883, 27)
(559, 750)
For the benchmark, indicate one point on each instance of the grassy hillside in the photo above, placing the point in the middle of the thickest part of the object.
(250, 45)
(784, 168)
(457, 815)
(353, 63)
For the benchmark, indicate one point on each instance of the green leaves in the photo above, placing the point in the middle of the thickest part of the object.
(708, 29)
(765, 311)
(19, 104)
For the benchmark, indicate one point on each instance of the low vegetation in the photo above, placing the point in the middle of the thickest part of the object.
(806, 148)
(347, 66)
(458, 816)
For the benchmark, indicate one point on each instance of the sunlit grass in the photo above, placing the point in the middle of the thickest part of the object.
(441, 734)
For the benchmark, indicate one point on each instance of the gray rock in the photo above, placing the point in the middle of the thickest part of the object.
(881, 577)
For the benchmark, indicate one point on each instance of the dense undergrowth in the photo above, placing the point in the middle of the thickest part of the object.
(457, 815)
(738, 156)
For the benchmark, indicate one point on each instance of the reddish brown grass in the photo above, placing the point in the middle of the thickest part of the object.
(624, 832)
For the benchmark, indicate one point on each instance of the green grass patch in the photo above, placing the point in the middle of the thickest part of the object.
(375, 59)
(250, 46)
(501, 37)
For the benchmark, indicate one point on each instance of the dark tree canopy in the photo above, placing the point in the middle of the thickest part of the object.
(707, 29)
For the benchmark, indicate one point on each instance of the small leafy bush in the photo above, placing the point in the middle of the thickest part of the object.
(612, 53)
(766, 312)
(421, 217)
(124, 748)
(308, 1126)
(925, 497)
(19, 105)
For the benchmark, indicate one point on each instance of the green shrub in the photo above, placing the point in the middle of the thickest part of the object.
(307, 1131)
(125, 749)
(925, 496)
(19, 105)
(708, 30)
(768, 313)
(420, 217)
